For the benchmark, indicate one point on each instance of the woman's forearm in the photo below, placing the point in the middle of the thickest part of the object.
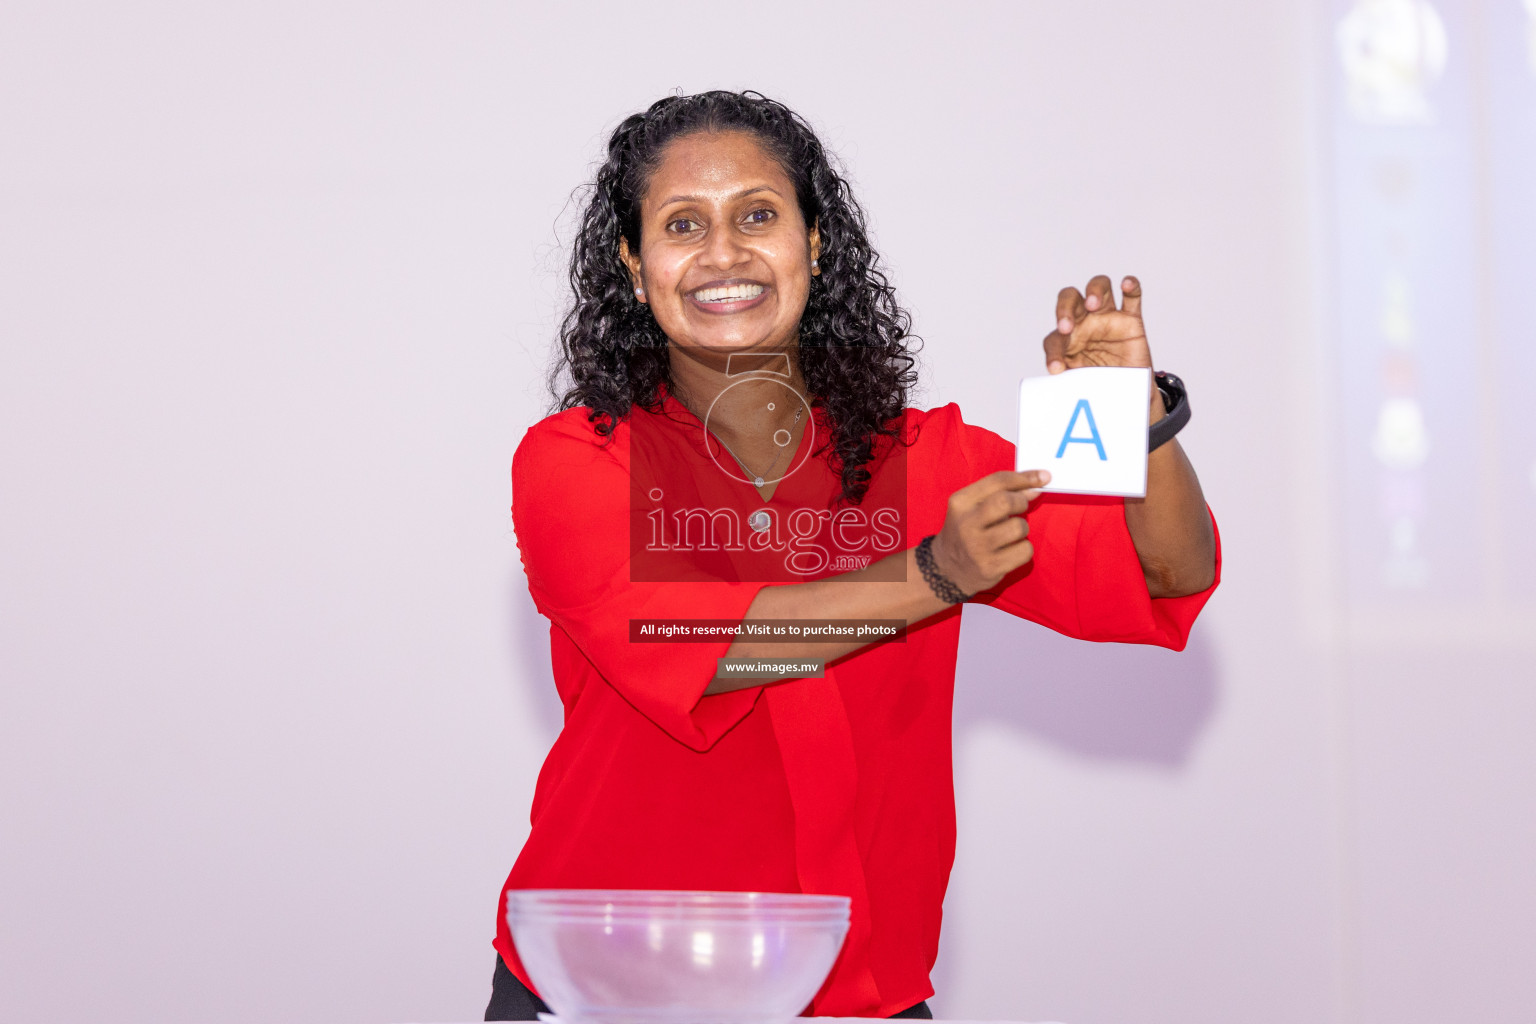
(1171, 526)
(867, 593)
(984, 538)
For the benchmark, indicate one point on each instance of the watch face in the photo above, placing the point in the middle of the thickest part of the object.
(1172, 390)
(1175, 404)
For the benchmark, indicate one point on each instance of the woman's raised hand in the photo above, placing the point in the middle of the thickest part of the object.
(985, 536)
(1090, 331)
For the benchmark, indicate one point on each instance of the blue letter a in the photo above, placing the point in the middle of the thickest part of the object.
(1083, 409)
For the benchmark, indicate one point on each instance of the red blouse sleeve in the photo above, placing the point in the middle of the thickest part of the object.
(1085, 580)
(570, 510)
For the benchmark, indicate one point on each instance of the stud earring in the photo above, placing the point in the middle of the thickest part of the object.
(815, 265)
(639, 293)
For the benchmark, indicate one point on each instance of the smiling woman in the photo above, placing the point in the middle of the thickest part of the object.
(734, 479)
(726, 267)
(750, 165)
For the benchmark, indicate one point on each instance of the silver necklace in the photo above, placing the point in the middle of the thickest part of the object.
(758, 479)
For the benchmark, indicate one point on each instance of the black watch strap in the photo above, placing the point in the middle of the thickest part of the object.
(1175, 405)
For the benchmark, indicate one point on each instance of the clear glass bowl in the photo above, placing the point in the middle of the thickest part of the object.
(614, 956)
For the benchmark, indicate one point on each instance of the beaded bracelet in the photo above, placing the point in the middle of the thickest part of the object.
(941, 585)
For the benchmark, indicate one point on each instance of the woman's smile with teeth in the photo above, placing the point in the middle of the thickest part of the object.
(729, 293)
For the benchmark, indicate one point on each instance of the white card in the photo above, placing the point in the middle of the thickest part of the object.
(1089, 428)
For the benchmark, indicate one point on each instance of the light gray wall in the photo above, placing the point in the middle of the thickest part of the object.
(277, 285)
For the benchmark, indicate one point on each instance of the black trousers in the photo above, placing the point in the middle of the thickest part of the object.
(511, 1000)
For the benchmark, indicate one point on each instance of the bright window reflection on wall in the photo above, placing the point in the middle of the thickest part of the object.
(1434, 217)
(1530, 33)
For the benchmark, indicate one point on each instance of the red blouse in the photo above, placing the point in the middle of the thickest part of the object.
(835, 785)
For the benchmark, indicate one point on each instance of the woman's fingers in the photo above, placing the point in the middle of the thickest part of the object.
(1111, 325)
(1007, 547)
(1070, 308)
(997, 496)
(1009, 531)
(985, 533)
(1033, 480)
(997, 526)
(1130, 291)
(1004, 481)
(1016, 554)
(1071, 311)
(1101, 295)
(1002, 506)
(1055, 345)
(1085, 323)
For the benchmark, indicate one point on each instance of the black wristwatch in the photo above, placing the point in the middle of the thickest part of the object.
(1175, 404)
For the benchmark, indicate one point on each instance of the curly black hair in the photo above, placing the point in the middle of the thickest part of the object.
(855, 339)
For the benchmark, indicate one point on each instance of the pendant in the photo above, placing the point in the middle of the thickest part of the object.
(757, 481)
